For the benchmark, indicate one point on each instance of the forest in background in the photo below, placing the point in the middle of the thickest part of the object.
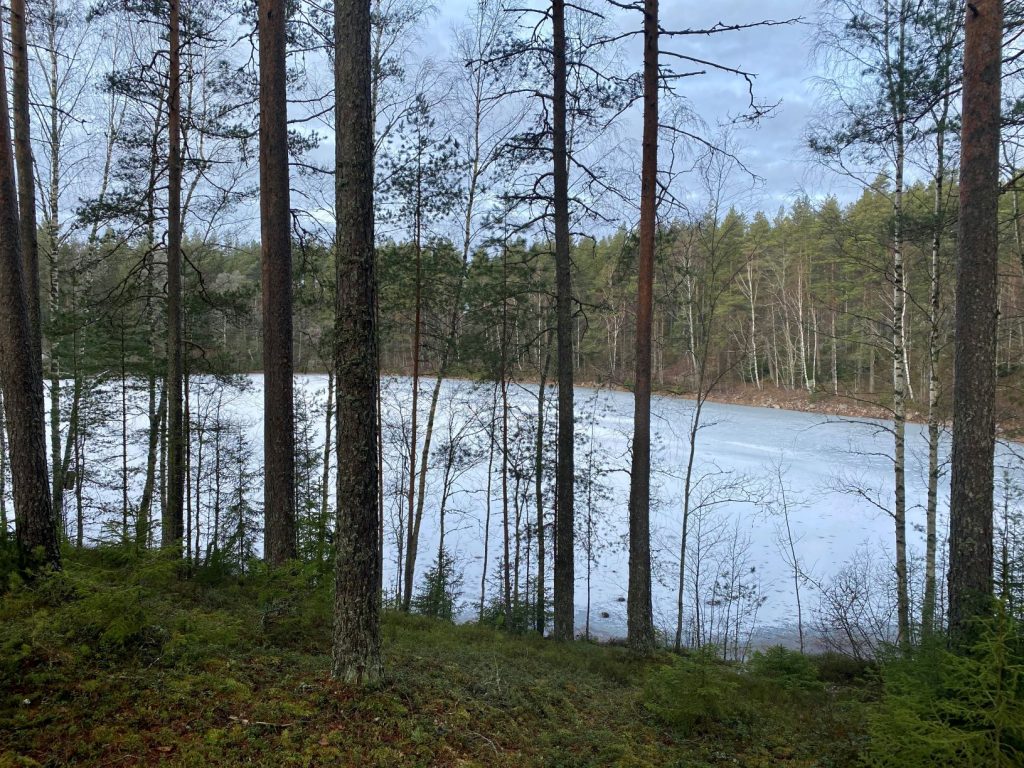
(479, 218)
(800, 303)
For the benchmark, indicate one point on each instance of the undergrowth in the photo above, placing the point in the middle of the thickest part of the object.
(127, 660)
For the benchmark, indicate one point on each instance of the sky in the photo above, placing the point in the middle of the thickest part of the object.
(783, 61)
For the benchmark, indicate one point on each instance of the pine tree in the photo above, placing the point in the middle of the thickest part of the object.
(971, 490)
(275, 226)
(20, 370)
(357, 570)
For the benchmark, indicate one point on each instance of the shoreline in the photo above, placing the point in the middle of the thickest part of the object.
(847, 406)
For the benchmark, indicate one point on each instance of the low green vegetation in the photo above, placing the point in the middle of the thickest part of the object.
(126, 661)
(122, 660)
(945, 709)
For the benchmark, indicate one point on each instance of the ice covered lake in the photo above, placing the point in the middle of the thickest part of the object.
(837, 474)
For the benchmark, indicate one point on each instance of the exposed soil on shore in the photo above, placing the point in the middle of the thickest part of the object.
(1009, 421)
(848, 405)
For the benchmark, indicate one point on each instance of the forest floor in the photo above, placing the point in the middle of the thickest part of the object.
(123, 662)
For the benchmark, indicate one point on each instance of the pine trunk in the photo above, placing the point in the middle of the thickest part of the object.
(276, 261)
(357, 658)
(26, 176)
(970, 545)
(174, 527)
(565, 580)
(21, 373)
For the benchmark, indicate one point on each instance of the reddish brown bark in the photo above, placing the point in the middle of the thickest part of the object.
(970, 540)
(276, 256)
(174, 527)
(20, 372)
(26, 174)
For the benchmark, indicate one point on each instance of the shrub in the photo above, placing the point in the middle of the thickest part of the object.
(294, 605)
(693, 694)
(8, 562)
(944, 709)
(789, 669)
(439, 594)
(518, 619)
(837, 668)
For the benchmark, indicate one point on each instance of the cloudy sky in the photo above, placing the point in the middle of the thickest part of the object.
(780, 56)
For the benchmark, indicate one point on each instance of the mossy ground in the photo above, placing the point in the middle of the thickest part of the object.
(121, 662)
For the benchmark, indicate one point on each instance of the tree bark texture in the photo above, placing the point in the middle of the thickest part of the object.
(174, 527)
(26, 176)
(565, 550)
(357, 657)
(21, 372)
(276, 264)
(970, 535)
(640, 621)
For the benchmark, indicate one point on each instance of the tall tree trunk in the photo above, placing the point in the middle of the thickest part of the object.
(970, 544)
(53, 259)
(357, 566)
(174, 513)
(143, 520)
(835, 355)
(685, 528)
(79, 475)
(124, 443)
(934, 385)
(806, 374)
(506, 562)
(899, 349)
(487, 513)
(640, 619)
(415, 514)
(197, 483)
(540, 614)
(517, 499)
(21, 372)
(565, 580)
(899, 417)
(755, 369)
(276, 259)
(70, 461)
(187, 421)
(26, 177)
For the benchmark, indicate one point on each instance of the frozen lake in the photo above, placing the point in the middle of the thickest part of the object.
(837, 476)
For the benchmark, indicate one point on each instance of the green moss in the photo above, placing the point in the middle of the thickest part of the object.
(236, 672)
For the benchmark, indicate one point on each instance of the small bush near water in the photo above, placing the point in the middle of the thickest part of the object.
(942, 709)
